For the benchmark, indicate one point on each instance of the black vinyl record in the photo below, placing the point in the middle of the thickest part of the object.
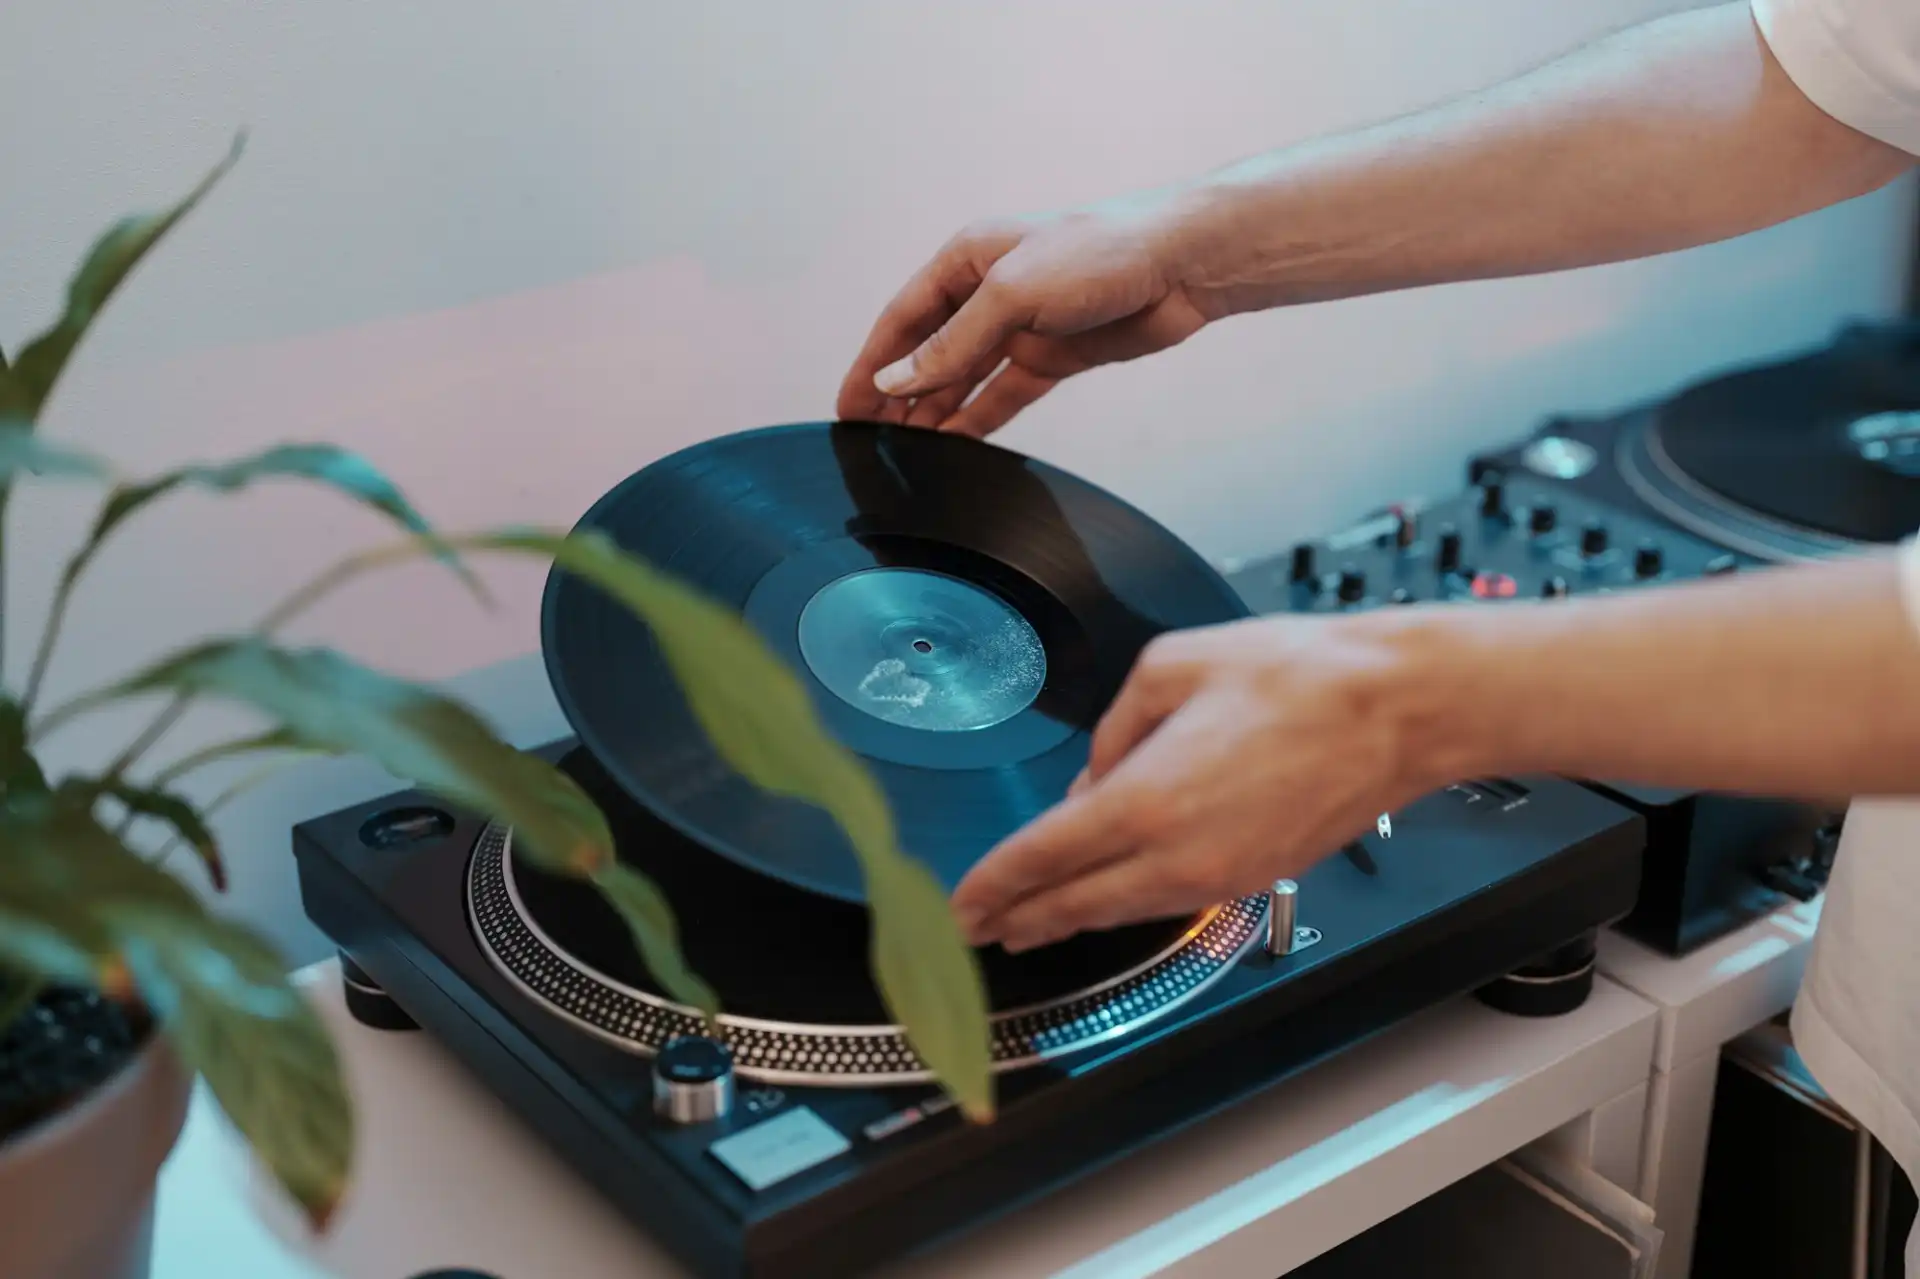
(1828, 441)
(961, 615)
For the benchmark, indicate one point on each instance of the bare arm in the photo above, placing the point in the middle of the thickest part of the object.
(1671, 134)
(1798, 681)
(1674, 133)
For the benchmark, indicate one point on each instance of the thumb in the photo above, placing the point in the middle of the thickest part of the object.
(981, 324)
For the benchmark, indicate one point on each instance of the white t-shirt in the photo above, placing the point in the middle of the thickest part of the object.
(1857, 1020)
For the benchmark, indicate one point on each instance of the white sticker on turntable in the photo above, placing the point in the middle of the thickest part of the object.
(771, 1152)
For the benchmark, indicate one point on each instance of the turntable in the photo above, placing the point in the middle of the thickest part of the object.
(1000, 601)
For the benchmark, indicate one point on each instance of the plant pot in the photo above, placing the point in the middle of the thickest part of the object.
(77, 1188)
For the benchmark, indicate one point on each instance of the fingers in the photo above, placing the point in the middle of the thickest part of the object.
(1149, 695)
(930, 299)
(999, 402)
(983, 322)
(1070, 838)
(1130, 891)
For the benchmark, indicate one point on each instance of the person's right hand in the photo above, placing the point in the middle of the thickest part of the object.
(1046, 297)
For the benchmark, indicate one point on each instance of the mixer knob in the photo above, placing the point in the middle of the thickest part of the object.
(1405, 529)
(1449, 556)
(1401, 595)
(1541, 518)
(1555, 588)
(1593, 538)
(693, 1080)
(1302, 569)
(1724, 564)
(1493, 494)
(1353, 584)
(1647, 560)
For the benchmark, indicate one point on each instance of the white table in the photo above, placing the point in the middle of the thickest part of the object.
(447, 1177)
(1706, 1000)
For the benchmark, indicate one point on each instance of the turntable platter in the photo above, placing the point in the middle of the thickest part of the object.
(1828, 442)
(792, 969)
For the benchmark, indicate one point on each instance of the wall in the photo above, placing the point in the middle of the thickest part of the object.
(514, 251)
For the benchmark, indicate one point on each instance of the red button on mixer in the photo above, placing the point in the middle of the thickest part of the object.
(1494, 586)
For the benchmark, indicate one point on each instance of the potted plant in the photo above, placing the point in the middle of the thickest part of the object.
(120, 984)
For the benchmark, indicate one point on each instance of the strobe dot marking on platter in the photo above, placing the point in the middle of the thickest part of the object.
(922, 649)
(772, 1052)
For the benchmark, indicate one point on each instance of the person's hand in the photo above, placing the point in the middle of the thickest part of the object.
(1234, 755)
(1010, 308)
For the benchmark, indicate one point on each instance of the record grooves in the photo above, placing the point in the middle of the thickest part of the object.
(959, 614)
(1798, 459)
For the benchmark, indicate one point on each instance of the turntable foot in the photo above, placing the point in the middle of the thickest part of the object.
(370, 1005)
(1556, 983)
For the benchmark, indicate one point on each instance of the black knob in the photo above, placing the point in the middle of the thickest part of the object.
(1493, 494)
(1405, 529)
(1353, 584)
(1647, 560)
(693, 1080)
(1593, 538)
(1449, 556)
(1554, 588)
(1541, 518)
(1302, 568)
(1724, 564)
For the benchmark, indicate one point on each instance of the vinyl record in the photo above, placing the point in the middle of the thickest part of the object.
(960, 614)
(1828, 442)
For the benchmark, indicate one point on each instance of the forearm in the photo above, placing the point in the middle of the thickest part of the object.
(1797, 681)
(1675, 133)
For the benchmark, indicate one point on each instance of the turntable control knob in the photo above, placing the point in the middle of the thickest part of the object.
(1405, 529)
(1647, 560)
(1493, 494)
(1554, 588)
(1449, 556)
(1353, 584)
(1541, 518)
(1301, 569)
(1283, 904)
(693, 1080)
(1593, 538)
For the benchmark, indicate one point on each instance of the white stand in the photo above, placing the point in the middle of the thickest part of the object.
(1706, 1000)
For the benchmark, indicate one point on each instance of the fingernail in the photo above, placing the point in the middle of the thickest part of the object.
(1079, 783)
(896, 377)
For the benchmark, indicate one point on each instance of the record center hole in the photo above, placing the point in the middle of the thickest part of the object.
(923, 646)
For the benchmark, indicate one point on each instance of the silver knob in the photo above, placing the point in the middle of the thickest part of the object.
(693, 1080)
(1283, 901)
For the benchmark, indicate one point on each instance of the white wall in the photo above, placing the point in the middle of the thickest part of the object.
(514, 251)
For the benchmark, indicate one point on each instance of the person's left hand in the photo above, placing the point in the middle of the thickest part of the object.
(1233, 756)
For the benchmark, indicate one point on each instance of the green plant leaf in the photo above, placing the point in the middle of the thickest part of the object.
(234, 1017)
(760, 717)
(24, 453)
(37, 366)
(273, 741)
(346, 472)
(649, 917)
(88, 901)
(20, 772)
(432, 741)
(160, 805)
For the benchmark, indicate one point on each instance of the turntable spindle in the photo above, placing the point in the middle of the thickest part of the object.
(1282, 909)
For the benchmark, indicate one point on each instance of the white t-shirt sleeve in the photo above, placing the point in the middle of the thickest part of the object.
(1858, 60)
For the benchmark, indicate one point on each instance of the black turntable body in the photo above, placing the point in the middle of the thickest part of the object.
(1001, 602)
